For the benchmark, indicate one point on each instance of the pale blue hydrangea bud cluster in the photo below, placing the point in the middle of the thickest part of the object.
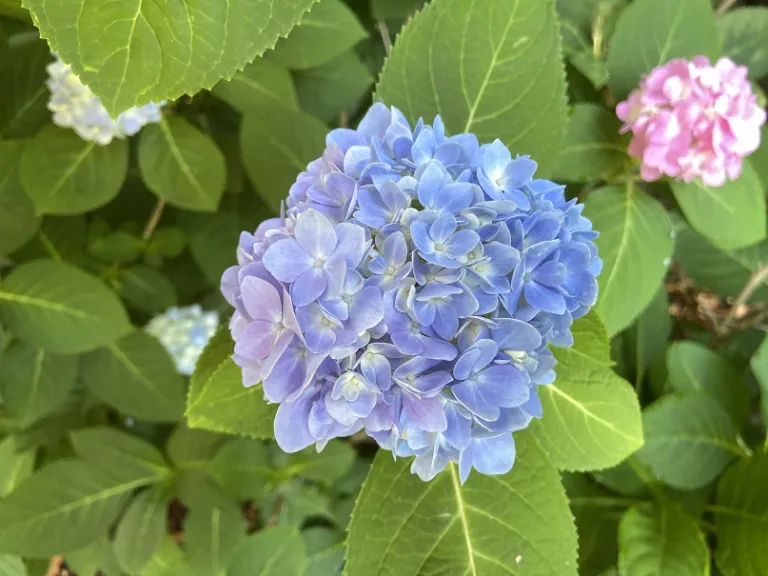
(184, 332)
(75, 106)
(411, 289)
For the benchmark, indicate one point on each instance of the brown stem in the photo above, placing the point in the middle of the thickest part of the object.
(758, 277)
(154, 218)
(724, 6)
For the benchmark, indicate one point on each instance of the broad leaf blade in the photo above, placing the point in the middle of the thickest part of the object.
(261, 83)
(130, 53)
(744, 33)
(662, 541)
(137, 376)
(141, 530)
(64, 174)
(18, 220)
(731, 216)
(277, 551)
(182, 165)
(689, 440)
(653, 32)
(22, 75)
(520, 519)
(635, 244)
(60, 308)
(488, 67)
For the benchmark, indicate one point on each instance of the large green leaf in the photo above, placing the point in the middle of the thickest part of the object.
(97, 556)
(635, 244)
(591, 420)
(693, 367)
(723, 272)
(169, 560)
(120, 454)
(325, 467)
(63, 507)
(137, 376)
(141, 530)
(652, 32)
(33, 382)
(488, 67)
(490, 525)
(64, 174)
(11, 566)
(242, 469)
(759, 365)
(134, 52)
(276, 145)
(22, 75)
(182, 165)
(731, 216)
(261, 83)
(60, 308)
(689, 440)
(329, 29)
(741, 518)
(18, 221)
(16, 464)
(146, 289)
(334, 87)
(277, 551)
(661, 541)
(217, 399)
(593, 148)
(193, 449)
(744, 33)
(649, 335)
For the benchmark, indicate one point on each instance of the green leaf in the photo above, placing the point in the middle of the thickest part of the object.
(141, 530)
(653, 32)
(214, 529)
(635, 244)
(18, 221)
(328, 563)
(182, 165)
(223, 404)
(97, 556)
(744, 33)
(723, 272)
(590, 350)
(60, 308)
(64, 174)
(519, 521)
(334, 87)
(168, 242)
(63, 507)
(661, 541)
(189, 448)
(136, 376)
(759, 365)
(276, 145)
(488, 67)
(593, 148)
(169, 560)
(16, 464)
(623, 479)
(319, 539)
(741, 518)
(592, 420)
(580, 19)
(649, 335)
(277, 551)
(11, 566)
(117, 248)
(325, 467)
(146, 289)
(394, 9)
(34, 383)
(297, 502)
(120, 454)
(132, 53)
(242, 469)
(329, 29)
(731, 216)
(261, 84)
(23, 108)
(689, 440)
(594, 69)
(692, 367)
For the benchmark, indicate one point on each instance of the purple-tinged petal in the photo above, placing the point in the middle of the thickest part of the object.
(286, 260)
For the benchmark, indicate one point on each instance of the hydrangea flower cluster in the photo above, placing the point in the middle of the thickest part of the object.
(75, 106)
(691, 120)
(184, 332)
(410, 290)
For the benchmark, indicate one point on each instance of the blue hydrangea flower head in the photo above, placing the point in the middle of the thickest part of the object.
(184, 333)
(410, 289)
(75, 106)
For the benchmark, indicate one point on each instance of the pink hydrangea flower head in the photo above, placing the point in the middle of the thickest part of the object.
(692, 119)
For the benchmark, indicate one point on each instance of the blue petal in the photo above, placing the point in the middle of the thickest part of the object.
(286, 260)
(315, 234)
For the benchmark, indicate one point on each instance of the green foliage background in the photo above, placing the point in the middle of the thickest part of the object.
(651, 457)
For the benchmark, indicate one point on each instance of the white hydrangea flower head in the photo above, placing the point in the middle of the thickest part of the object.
(75, 106)
(184, 332)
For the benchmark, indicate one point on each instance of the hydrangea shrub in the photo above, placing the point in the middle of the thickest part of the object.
(318, 288)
